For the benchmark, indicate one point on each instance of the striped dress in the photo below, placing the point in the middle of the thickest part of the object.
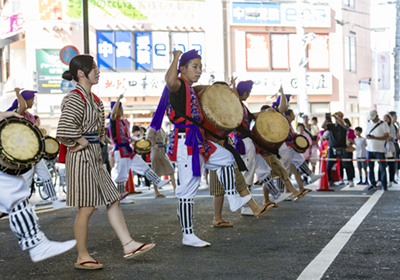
(88, 182)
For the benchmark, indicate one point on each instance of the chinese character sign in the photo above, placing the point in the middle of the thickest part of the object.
(143, 50)
(256, 13)
(105, 49)
(383, 70)
(257, 51)
(123, 49)
(318, 53)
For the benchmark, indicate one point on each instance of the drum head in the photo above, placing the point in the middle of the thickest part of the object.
(143, 144)
(19, 141)
(301, 141)
(272, 127)
(221, 107)
(52, 145)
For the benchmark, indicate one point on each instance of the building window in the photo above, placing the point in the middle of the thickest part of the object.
(280, 51)
(349, 3)
(350, 53)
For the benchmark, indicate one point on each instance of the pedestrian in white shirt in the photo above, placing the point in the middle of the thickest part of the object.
(361, 153)
(377, 135)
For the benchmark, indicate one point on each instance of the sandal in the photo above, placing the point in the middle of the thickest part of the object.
(139, 251)
(83, 265)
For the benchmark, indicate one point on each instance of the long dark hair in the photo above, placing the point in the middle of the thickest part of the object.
(82, 62)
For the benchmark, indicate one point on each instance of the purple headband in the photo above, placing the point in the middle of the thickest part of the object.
(162, 105)
(278, 101)
(186, 57)
(26, 94)
(112, 104)
(244, 86)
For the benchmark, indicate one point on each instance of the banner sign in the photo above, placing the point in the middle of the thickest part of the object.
(10, 26)
(123, 50)
(318, 53)
(384, 78)
(318, 83)
(143, 50)
(49, 69)
(160, 50)
(273, 14)
(257, 51)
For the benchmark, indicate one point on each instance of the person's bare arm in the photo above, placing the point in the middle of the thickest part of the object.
(5, 115)
(283, 103)
(233, 86)
(340, 121)
(324, 126)
(171, 78)
(21, 102)
(82, 143)
(384, 137)
(116, 107)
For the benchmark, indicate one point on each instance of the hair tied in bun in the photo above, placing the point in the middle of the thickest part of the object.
(67, 75)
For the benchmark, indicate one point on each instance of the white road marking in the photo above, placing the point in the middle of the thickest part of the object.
(316, 269)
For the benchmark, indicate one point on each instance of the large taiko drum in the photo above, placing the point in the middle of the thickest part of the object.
(271, 129)
(52, 147)
(221, 109)
(300, 144)
(21, 146)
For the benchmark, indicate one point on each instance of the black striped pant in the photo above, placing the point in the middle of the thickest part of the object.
(23, 223)
(226, 176)
(185, 214)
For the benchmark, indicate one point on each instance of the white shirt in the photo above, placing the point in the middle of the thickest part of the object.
(375, 145)
(361, 147)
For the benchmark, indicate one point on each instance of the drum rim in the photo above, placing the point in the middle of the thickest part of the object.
(50, 156)
(294, 142)
(37, 157)
(205, 114)
(268, 141)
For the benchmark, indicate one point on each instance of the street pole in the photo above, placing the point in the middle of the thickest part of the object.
(397, 59)
(85, 11)
(302, 97)
(226, 31)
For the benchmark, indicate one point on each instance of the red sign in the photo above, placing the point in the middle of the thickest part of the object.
(318, 53)
(257, 51)
(67, 53)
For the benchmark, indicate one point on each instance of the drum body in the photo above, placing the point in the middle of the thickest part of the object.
(271, 129)
(142, 146)
(21, 146)
(221, 109)
(300, 144)
(52, 147)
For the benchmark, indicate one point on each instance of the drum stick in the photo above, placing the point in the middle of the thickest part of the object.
(13, 90)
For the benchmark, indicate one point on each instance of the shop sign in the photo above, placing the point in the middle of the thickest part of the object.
(10, 26)
(276, 14)
(49, 69)
(142, 84)
(268, 83)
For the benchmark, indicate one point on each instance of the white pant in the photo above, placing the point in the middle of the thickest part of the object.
(188, 183)
(250, 160)
(288, 156)
(13, 189)
(40, 169)
(262, 168)
(121, 168)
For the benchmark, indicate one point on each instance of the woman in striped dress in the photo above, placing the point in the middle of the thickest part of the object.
(80, 128)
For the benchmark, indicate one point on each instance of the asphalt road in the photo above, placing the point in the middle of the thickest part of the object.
(279, 245)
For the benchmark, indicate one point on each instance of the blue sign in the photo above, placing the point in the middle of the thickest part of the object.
(67, 86)
(105, 49)
(67, 53)
(256, 13)
(143, 50)
(123, 50)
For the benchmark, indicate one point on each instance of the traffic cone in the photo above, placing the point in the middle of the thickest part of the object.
(130, 186)
(324, 182)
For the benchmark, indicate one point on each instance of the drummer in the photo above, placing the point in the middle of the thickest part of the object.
(188, 146)
(23, 220)
(20, 105)
(124, 156)
(286, 151)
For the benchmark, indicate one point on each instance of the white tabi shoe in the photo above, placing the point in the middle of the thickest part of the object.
(246, 211)
(58, 204)
(194, 241)
(315, 177)
(283, 196)
(47, 249)
(163, 183)
(236, 202)
(126, 201)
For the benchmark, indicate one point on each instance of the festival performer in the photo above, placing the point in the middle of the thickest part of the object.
(22, 217)
(188, 146)
(80, 128)
(124, 156)
(286, 151)
(159, 160)
(20, 105)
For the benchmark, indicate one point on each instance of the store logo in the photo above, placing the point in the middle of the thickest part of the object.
(105, 49)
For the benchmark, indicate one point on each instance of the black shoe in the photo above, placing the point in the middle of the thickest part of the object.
(360, 183)
(384, 188)
(395, 182)
(371, 187)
